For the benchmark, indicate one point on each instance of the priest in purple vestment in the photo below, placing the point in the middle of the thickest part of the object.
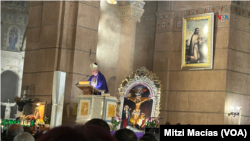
(97, 79)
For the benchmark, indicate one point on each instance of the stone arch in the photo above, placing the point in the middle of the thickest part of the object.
(17, 71)
(9, 90)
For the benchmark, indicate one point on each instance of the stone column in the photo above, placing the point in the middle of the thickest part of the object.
(129, 13)
(61, 36)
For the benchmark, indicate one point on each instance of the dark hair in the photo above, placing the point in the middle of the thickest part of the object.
(195, 30)
(125, 135)
(99, 122)
(14, 130)
(146, 139)
(167, 123)
(178, 124)
(27, 129)
(40, 134)
(77, 133)
(137, 126)
(149, 135)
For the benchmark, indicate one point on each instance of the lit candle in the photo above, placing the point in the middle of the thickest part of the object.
(25, 123)
(28, 123)
(21, 122)
(0, 121)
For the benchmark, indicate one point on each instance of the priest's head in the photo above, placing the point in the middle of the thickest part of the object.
(94, 68)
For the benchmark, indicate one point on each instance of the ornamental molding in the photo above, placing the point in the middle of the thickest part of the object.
(132, 12)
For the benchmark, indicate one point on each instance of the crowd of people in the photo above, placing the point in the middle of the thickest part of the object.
(93, 130)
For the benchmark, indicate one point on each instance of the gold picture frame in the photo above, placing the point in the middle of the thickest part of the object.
(197, 41)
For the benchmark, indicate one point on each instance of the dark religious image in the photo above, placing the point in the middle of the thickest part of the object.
(137, 107)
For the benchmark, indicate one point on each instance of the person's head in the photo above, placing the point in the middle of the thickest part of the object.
(27, 129)
(125, 135)
(142, 116)
(149, 135)
(24, 137)
(99, 122)
(77, 133)
(137, 126)
(36, 110)
(14, 130)
(167, 123)
(178, 124)
(126, 107)
(146, 139)
(39, 134)
(137, 100)
(94, 68)
(94, 72)
(196, 31)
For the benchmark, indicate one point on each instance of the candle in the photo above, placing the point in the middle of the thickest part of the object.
(24, 91)
(28, 124)
(21, 122)
(0, 121)
(25, 123)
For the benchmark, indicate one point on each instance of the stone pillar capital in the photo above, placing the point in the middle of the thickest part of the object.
(130, 11)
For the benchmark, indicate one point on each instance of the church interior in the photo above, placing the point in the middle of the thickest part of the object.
(149, 54)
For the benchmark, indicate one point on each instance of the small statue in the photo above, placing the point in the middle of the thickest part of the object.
(7, 109)
(36, 113)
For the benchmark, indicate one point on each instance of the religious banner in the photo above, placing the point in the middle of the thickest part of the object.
(110, 108)
(197, 41)
(84, 108)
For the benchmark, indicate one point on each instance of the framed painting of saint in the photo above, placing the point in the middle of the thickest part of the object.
(197, 41)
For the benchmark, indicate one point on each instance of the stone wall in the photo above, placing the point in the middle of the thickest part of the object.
(238, 68)
(198, 97)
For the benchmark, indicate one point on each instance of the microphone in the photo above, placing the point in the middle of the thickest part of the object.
(85, 77)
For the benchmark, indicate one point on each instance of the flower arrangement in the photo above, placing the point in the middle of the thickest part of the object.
(152, 122)
(115, 122)
(29, 117)
(39, 122)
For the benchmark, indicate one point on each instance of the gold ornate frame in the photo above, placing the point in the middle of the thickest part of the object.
(146, 78)
(209, 63)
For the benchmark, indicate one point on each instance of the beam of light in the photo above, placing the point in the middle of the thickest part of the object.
(205, 50)
(205, 30)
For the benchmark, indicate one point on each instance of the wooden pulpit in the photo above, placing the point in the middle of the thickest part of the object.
(86, 88)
